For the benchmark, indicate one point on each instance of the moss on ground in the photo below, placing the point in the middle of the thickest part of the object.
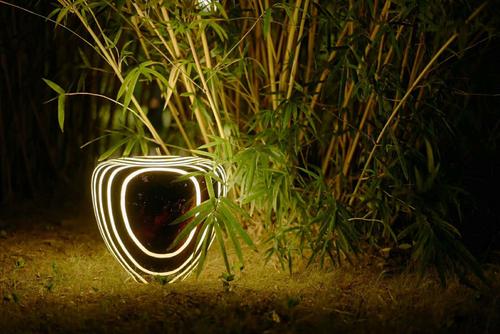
(57, 276)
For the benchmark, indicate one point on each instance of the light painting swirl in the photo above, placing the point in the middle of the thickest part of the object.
(135, 201)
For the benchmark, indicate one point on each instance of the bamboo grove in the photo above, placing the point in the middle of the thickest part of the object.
(326, 114)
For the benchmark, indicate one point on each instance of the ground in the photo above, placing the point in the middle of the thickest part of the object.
(57, 276)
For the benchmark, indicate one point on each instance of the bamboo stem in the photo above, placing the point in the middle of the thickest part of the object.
(326, 71)
(207, 92)
(311, 41)
(270, 63)
(292, 26)
(187, 84)
(297, 51)
(355, 141)
(329, 152)
(109, 59)
(395, 111)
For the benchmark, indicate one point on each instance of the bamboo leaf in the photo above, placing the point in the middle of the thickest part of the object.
(233, 223)
(220, 238)
(204, 249)
(144, 147)
(54, 86)
(210, 186)
(113, 149)
(229, 222)
(130, 146)
(60, 111)
(203, 209)
(199, 219)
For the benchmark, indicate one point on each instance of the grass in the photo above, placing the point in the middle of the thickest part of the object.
(57, 276)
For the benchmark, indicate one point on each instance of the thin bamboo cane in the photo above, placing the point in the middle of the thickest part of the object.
(395, 111)
(271, 64)
(190, 89)
(174, 73)
(292, 27)
(326, 71)
(207, 91)
(311, 44)
(347, 96)
(368, 107)
(297, 50)
(329, 152)
(109, 59)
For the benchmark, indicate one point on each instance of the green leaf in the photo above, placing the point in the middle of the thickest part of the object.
(235, 208)
(60, 101)
(234, 224)
(230, 221)
(130, 146)
(54, 86)
(60, 111)
(210, 186)
(62, 15)
(204, 207)
(204, 248)
(203, 210)
(128, 86)
(220, 239)
(187, 230)
(144, 147)
(430, 157)
(113, 149)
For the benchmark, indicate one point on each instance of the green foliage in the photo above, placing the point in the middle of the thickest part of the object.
(60, 101)
(219, 217)
(318, 110)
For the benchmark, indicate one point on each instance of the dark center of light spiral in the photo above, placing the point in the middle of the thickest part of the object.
(153, 201)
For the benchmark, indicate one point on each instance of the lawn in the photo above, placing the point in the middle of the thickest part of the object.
(57, 276)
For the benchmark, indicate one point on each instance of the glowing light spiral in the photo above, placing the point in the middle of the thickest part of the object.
(135, 201)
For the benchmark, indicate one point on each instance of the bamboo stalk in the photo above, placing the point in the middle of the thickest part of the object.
(109, 59)
(270, 63)
(292, 27)
(208, 61)
(395, 111)
(326, 71)
(174, 73)
(184, 135)
(418, 59)
(297, 51)
(311, 41)
(347, 96)
(207, 91)
(354, 144)
(368, 106)
(329, 152)
(187, 84)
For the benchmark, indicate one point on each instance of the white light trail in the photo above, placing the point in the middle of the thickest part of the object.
(110, 182)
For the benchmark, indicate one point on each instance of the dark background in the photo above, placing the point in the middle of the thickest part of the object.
(40, 164)
(38, 161)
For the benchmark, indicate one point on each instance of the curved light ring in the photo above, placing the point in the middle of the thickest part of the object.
(120, 241)
(107, 236)
(173, 161)
(125, 216)
(113, 239)
(201, 161)
(163, 160)
(190, 268)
